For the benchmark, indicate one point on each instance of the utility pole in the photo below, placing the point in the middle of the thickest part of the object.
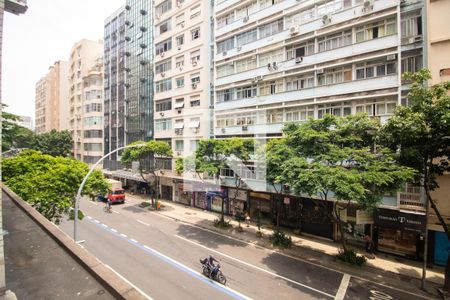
(424, 199)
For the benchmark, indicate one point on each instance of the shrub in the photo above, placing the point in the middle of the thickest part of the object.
(280, 239)
(351, 257)
(144, 204)
(221, 224)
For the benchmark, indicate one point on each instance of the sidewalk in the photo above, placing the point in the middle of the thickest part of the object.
(382, 269)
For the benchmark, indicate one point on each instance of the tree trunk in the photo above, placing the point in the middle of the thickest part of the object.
(339, 225)
(446, 287)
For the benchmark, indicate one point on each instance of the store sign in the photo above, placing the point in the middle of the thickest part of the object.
(399, 220)
(363, 217)
(287, 200)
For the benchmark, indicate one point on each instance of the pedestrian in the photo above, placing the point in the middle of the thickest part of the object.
(247, 219)
(369, 243)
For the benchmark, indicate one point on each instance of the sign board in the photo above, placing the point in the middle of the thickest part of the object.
(363, 217)
(399, 220)
(237, 194)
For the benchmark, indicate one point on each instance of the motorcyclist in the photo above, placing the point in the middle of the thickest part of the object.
(212, 267)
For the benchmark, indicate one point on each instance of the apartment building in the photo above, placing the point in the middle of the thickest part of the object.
(51, 99)
(84, 56)
(114, 86)
(279, 61)
(183, 82)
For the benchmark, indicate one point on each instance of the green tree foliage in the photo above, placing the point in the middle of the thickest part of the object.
(147, 155)
(55, 143)
(421, 133)
(49, 183)
(332, 159)
(13, 135)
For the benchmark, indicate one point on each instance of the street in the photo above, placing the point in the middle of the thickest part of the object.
(160, 256)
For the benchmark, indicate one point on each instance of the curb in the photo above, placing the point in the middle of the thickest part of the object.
(119, 288)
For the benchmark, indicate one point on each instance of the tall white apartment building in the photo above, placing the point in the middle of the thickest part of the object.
(182, 75)
(278, 61)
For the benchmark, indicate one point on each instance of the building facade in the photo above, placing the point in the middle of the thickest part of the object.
(83, 57)
(51, 99)
(114, 85)
(26, 122)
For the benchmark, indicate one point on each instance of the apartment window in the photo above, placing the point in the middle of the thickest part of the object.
(163, 124)
(299, 82)
(336, 109)
(195, 11)
(271, 87)
(180, 82)
(412, 63)
(266, 3)
(225, 45)
(375, 30)
(179, 103)
(93, 147)
(163, 27)
(308, 15)
(293, 20)
(164, 66)
(163, 85)
(195, 78)
(93, 107)
(195, 34)
(225, 95)
(193, 145)
(163, 105)
(246, 92)
(375, 69)
(195, 56)
(225, 70)
(163, 46)
(271, 57)
(329, 7)
(300, 114)
(274, 116)
(194, 102)
(300, 50)
(93, 121)
(246, 37)
(179, 61)
(411, 25)
(165, 6)
(245, 119)
(271, 28)
(179, 20)
(334, 41)
(93, 133)
(179, 145)
(335, 75)
(179, 40)
(246, 10)
(245, 64)
(376, 107)
(194, 122)
(225, 20)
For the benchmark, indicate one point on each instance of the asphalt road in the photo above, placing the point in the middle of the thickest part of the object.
(161, 257)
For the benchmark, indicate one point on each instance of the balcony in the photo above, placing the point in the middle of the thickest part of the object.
(16, 7)
(410, 201)
(250, 129)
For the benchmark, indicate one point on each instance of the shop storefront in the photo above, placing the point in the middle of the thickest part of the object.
(183, 192)
(167, 192)
(200, 200)
(288, 210)
(215, 200)
(260, 202)
(238, 200)
(399, 232)
(359, 224)
(315, 220)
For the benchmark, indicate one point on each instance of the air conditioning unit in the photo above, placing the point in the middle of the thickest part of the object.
(245, 128)
(181, 68)
(391, 57)
(194, 63)
(245, 19)
(239, 48)
(162, 54)
(179, 47)
(163, 74)
(326, 19)
(224, 53)
(182, 25)
(269, 66)
(319, 71)
(418, 38)
(293, 30)
(274, 65)
(258, 78)
(368, 6)
(179, 111)
(194, 86)
(298, 59)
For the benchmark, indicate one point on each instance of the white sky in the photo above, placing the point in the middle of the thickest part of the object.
(44, 34)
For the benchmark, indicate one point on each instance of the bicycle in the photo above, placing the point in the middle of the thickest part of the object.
(107, 209)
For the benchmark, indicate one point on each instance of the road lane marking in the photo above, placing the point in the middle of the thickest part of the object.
(126, 280)
(180, 266)
(96, 221)
(104, 225)
(115, 212)
(143, 223)
(255, 267)
(343, 287)
(113, 230)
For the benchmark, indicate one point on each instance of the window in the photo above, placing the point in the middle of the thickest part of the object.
(225, 95)
(246, 92)
(274, 116)
(195, 11)
(93, 107)
(267, 3)
(195, 78)
(163, 124)
(412, 63)
(93, 133)
(179, 103)
(194, 122)
(335, 75)
(246, 10)
(225, 20)
(193, 145)
(225, 45)
(179, 20)
(301, 50)
(246, 37)
(179, 145)
(225, 70)
(180, 82)
(271, 28)
(163, 27)
(179, 61)
(195, 56)
(163, 105)
(179, 124)
(93, 147)
(271, 57)
(165, 6)
(163, 85)
(271, 87)
(375, 30)
(89, 121)
(299, 82)
(334, 41)
(163, 46)
(245, 64)
(195, 102)
(329, 7)
(411, 25)
(300, 114)
(195, 34)
(179, 40)
(336, 109)
(376, 107)
(164, 66)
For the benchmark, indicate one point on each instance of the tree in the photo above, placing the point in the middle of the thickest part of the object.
(421, 134)
(13, 135)
(148, 154)
(55, 143)
(49, 183)
(332, 159)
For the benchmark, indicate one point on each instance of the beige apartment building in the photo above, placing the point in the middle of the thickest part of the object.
(182, 59)
(51, 99)
(83, 57)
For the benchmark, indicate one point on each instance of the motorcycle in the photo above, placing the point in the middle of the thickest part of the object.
(218, 276)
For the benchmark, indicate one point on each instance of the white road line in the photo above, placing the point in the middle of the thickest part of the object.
(343, 287)
(115, 212)
(95, 203)
(124, 235)
(134, 241)
(255, 267)
(143, 223)
(113, 230)
(96, 221)
(104, 225)
(126, 280)
(89, 217)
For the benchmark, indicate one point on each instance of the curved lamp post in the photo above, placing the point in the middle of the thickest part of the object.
(77, 198)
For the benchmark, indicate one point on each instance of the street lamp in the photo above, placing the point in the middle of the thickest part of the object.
(77, 198)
